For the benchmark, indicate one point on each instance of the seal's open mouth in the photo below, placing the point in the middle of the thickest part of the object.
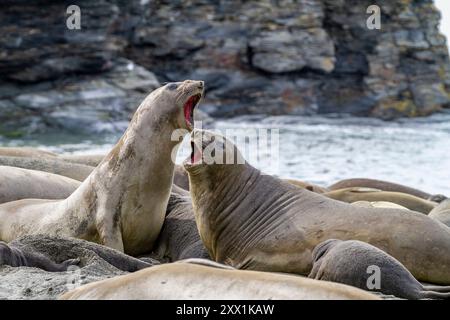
(188, 109)
(196, 154)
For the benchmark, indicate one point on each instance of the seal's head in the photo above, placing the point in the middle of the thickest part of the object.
(210, 153)
(213, 162)
(176, 101)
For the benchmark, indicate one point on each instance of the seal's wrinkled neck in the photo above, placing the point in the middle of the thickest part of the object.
(216, 193)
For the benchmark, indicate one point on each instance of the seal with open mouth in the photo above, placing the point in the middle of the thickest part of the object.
(250, 220)
(122, 203)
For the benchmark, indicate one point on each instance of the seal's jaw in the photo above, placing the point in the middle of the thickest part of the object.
(188, 109)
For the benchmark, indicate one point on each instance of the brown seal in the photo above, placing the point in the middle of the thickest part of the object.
(378, 184)
(351, 195)
(18, 183)
(251, 220)
(187, 280)
(52, 165)
(122, 204)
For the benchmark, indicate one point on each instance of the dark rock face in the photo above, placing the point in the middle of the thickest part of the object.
(257, 57)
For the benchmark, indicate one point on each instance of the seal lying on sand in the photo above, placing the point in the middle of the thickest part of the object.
(413, 203)
(181, 280)
(348, 262)
(122, 204)
(71, 249)
(179, 238)
(14, 257)
(18, 183)
(385, 186)
(26, 152)
(255, 221)
(91, 160)
(52, 165)
(442, 212)
(378, 204)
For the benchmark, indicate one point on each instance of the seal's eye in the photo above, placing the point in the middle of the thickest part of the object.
(172, 86)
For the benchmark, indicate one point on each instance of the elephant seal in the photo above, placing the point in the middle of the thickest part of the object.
(378, 184)
(350, 262)
(350, 195)
(306, 185)
(251, 220)
(61, 249)
(26, 152)
(52, 165)
(122, 203)
(442, 212)
(378, 204)
(179, 238)
(91, 160)
(18, 183)
(14, 257)
(181, 280)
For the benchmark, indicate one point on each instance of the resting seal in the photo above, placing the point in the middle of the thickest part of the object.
(179, 238)
(91, 160)
(413, 203)
(442, 212)
(26, 152)
(378, 184)
(18, 183)
(61, 249)
(14, 257)
(348, 262)
(378, 204)
(52, 165)
(183, 280)
(122, 204)
(256, 221)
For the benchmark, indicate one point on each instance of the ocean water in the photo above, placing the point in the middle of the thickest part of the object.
(321, 150)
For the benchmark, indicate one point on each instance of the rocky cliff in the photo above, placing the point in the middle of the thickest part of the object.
(257, 57)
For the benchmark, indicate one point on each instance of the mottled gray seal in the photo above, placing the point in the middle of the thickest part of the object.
(18, 183)
(181, 280)
(14, 257)
(351, 195)
(179, 238)
(62, 249)
(256, 221)
(353, 262)
(122, 204)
